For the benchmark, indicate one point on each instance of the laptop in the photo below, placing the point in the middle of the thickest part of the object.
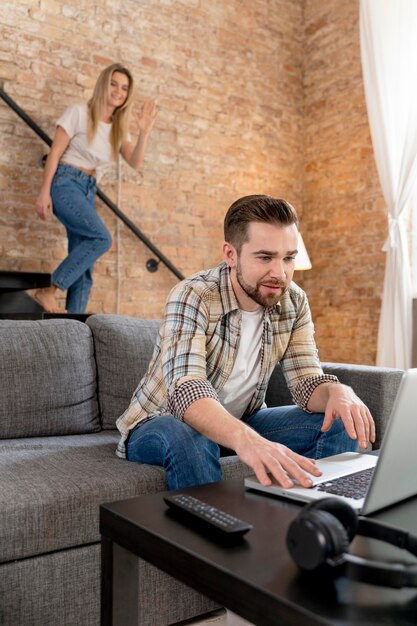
(386, 479)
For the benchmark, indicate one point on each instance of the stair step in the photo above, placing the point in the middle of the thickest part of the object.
(21, 281)
(13, 299)
(20, 316)
(18, 302)
(81, 317)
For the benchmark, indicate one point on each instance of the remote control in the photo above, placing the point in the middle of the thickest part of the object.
(196, 510)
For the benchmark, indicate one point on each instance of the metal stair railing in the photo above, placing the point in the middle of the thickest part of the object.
(151, 264)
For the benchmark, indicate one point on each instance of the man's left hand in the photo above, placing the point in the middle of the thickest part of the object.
(344, 403)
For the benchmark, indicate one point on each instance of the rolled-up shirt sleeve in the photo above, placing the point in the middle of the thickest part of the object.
(302, 393)
(187, 393)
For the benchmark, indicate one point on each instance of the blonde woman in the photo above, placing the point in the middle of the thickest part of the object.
(88, 138)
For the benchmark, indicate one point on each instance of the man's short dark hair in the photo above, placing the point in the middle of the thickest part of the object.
(256, 208)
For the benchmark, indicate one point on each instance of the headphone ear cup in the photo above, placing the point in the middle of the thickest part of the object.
(314, 537)
(346, 515)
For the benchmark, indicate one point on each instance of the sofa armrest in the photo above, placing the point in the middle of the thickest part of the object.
(376, 386)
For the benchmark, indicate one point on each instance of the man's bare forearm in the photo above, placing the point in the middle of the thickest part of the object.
(212, 420)
(320, 396)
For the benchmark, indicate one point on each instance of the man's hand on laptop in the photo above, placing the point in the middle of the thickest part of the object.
(344, 403)
(266, 457)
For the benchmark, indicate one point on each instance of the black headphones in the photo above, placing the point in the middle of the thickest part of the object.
(320, 536)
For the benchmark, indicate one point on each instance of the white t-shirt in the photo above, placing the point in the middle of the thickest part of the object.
(96, 155)
(240, 387)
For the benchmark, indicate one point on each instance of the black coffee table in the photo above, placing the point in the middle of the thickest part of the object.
(255, 577)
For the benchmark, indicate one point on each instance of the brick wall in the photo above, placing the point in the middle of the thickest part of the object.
(228, 82)
(262, 96)
(344, 220)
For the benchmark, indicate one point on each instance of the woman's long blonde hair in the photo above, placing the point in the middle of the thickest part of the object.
(121, 115)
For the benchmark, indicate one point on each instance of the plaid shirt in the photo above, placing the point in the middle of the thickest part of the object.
(197, 345)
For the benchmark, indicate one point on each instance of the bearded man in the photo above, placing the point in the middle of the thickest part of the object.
(224, 331)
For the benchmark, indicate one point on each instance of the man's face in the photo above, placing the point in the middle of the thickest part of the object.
(263, 270)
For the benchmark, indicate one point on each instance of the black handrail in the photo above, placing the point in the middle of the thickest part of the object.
(151, 264)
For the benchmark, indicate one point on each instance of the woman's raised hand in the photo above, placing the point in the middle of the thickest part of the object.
(146, 118)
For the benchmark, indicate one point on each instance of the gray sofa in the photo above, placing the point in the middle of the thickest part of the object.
(62, 386)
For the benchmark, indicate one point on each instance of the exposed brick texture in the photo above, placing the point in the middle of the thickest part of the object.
(344, 218)
(263, 96)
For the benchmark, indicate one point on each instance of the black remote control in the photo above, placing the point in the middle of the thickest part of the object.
(194, 509)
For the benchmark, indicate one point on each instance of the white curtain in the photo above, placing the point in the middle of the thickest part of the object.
(413, 239)
(388, 35)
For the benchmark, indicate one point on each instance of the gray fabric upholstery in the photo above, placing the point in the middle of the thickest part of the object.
(174, 601)
(376, 386)
(47, 379)
(123, 347)
(56, 376)
(57, 589)
(233, 468)
(51, 489)
(63, 589)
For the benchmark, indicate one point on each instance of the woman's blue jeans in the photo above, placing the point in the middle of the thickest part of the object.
(189, 458)
(73, 195)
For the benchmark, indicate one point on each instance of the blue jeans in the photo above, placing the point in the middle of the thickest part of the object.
(189, 458)
(73, 195)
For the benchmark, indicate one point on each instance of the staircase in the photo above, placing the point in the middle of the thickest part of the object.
(14, 302)
(152, 264)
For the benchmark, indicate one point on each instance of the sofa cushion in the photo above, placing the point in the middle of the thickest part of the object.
(47, 378)
(123, 348)
(51, 489)
(277, 393)
(63, 589)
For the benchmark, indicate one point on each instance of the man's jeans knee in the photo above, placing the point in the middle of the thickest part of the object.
(188, 457)
(301, 431)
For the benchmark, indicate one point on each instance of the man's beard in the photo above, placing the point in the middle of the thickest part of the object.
(268, 300)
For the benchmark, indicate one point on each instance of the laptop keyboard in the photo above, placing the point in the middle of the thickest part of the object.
(353, 486)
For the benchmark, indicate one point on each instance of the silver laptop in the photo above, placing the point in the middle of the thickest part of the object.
(392, 474)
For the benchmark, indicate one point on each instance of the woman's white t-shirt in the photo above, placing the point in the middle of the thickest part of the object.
(96, 155)
(237, 392)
